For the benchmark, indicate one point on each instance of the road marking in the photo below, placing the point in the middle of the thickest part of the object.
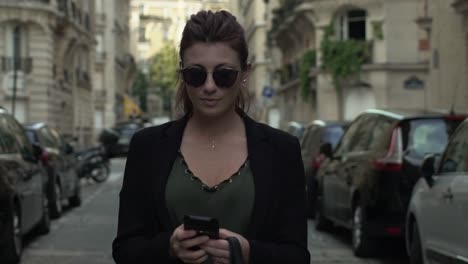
(66, 253)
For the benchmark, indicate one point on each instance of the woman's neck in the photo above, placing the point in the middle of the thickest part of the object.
(214, 127)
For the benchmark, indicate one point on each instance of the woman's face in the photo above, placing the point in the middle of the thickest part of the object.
(215, 94)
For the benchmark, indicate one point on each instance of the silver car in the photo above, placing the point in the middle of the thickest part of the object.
(437, 220)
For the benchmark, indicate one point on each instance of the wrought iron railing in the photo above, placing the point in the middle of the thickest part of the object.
(24, 64)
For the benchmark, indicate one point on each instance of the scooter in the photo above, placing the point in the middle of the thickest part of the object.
(93, 163)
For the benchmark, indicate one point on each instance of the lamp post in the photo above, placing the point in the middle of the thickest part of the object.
(16, 64)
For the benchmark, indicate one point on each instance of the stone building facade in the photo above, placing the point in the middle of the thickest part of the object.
(52, 43)
(396, 64)
(448, 75)
(115, 68)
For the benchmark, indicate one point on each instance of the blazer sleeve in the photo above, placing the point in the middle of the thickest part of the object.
(138, 238)
(287, 242)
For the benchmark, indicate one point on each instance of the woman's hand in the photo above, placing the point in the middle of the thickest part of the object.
(218, 249)
(182, 241)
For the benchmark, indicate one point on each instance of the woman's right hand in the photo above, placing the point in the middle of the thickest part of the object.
(182, 241)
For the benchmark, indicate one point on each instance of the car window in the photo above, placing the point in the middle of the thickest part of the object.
(426, 136)
(347, 140)
(456, 154)
(47, 138)
(379, 136)
(310, 134)
(7, 138)
(22, 142)
(332, 135)
(360, 141)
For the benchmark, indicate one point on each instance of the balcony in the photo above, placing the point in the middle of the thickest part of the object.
(22, 64)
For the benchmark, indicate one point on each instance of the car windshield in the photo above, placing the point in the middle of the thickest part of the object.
(427, 136)
(332, 135)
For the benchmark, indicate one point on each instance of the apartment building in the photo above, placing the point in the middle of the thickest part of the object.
(47, 49)
(115, 67)
(447, 25)
(396, 57)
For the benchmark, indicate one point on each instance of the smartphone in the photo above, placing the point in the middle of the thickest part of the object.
(203, 225)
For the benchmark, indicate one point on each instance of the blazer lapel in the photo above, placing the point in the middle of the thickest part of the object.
(260, 157)
(165, 155)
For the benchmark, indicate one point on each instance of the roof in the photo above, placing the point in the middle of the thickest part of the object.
(413, 113)
(35, 125)
(324, 123)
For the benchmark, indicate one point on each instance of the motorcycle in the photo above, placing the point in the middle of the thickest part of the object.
(94, 162)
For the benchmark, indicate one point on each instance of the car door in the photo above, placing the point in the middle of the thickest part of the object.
(353, 167)
(445, 208)
(333, 171)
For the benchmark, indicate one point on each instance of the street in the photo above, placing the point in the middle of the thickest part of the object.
(85, 234)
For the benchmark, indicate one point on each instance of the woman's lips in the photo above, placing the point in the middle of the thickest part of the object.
(210, 102)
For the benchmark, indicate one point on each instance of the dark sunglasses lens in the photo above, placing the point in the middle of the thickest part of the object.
(225, 77)
(194, 76)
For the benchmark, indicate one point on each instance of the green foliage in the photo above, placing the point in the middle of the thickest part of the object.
(308, 61)
(140, 89)
(342, 59)
(377, 29)
(164, 70)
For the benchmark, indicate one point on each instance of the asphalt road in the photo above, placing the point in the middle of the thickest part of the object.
(84, 235)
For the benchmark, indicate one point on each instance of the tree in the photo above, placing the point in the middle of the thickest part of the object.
(164, 73)
(140, 89)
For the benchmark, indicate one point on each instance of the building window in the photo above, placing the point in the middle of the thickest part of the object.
(16, 49)
(351, 25)
(142, 34)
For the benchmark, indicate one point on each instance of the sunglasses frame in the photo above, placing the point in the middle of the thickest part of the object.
(213, 75)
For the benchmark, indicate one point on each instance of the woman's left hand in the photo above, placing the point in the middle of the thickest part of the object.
(219, 248)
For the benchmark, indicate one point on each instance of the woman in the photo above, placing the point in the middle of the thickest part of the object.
(215, 161)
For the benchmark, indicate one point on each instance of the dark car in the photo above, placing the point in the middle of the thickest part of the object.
(125, 131)
(315, 134)
(366, 184)
(23, 199)
(60, 162)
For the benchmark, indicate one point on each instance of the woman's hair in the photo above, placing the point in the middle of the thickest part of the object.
(212, 27)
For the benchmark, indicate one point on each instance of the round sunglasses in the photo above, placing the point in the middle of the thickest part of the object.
(196, 76)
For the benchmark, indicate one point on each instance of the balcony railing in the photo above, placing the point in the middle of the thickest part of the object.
(24, 64)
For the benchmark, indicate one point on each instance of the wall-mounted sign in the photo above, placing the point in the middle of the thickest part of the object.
(414, 83)
(268, 92)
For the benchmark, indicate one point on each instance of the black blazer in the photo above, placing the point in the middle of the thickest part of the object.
(278, 229)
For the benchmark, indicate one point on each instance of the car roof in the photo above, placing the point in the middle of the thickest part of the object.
(35, 126)
(401, 114)
(324, 123)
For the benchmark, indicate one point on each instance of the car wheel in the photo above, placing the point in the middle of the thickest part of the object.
(14, 240)
(415, 246)
(44, 225)
(56, 202)
(362, 243)
(101, 173)
(75, 200)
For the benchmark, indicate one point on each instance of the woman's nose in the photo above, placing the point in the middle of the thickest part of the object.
(210, 85)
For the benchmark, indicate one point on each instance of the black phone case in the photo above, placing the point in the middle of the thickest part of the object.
(203, 225)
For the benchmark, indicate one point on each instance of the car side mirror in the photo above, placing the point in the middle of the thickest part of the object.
(428, 169)
(37, 152)
(326, 149)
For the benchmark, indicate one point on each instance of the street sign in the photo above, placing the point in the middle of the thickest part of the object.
(268, 91)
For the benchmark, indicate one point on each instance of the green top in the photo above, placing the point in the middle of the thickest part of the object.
(231, 201)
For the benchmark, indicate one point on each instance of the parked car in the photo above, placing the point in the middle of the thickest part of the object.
(295, 128)
(366, 183)
(125, 131)
(437, 219)
(315, 134)
(60, 162)
(23, 199)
